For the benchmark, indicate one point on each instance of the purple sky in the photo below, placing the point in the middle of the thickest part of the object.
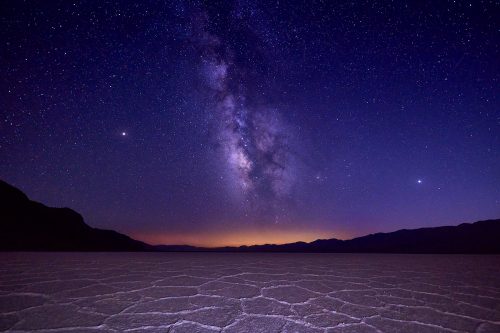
(248, 122)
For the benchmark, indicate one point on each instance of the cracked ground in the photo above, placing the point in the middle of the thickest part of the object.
(244, 292)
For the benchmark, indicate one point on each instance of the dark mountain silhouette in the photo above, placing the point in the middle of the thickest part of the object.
(475, 238)
(481, 237)
(31, 226)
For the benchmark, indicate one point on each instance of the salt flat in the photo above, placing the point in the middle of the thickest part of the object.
(232, 292)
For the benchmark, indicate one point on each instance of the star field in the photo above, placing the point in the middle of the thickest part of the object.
(207, 121)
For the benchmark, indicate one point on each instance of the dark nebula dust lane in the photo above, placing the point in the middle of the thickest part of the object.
(252, 138)
(231, 122)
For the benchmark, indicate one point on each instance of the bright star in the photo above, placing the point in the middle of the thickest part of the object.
(419, 181)
(124, 133)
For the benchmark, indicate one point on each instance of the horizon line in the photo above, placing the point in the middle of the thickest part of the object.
(318, 239)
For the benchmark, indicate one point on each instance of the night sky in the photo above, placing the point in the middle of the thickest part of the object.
(241, 122)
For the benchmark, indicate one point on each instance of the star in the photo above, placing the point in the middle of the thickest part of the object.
(124, 133)
(419, 181)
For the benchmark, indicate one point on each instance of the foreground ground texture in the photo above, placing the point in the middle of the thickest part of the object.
(212, 292)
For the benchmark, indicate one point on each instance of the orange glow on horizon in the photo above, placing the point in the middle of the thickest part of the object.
(236, 238)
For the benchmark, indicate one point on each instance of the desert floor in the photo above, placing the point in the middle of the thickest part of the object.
(233, 292)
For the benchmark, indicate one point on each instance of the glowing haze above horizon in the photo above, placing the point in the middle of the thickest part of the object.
(245, 122)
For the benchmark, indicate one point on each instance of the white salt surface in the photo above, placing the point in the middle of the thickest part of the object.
(231, 292)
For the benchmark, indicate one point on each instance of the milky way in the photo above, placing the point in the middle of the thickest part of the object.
(319, 115)
(252, 139)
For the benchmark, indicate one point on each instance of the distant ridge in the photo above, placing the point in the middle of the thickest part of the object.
(481, 237)
(27, 225)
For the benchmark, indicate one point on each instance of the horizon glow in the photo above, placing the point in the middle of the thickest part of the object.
(242, 122)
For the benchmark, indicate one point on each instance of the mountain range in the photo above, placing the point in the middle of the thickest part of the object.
(26, 225)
